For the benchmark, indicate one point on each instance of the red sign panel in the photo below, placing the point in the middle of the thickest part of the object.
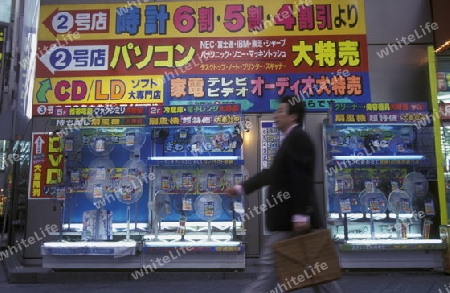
(47, 165)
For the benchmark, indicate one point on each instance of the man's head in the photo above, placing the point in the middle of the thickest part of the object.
(291, 110)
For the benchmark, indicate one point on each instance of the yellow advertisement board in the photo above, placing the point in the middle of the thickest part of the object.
(142, 19)
(97, 90)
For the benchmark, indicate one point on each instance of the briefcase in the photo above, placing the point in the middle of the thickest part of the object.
(306, 260)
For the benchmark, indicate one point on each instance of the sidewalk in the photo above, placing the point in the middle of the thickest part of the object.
(44, 280)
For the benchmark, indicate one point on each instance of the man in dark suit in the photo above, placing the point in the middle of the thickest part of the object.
(291, 201)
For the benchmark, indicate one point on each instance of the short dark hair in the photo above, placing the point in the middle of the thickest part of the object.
(295, 106)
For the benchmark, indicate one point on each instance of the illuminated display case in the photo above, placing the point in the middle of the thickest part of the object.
(443, 80)
(139, 192)
(445, 138)
(192, 166)
(380, 177)
(103, 205)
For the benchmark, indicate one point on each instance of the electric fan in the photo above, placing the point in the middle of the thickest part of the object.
(372, 203)
(208, 207)
(135, 168)
(356, 144)
(73, 171)
(184, 204)
(399, 202)
(161, 207)
(340, 182)
(397, 145)
(100, 144)
(75, 181)
(133, 139)
(128, 191)
(99, 177)
(73, 143)
(334, 138)
(416, 184)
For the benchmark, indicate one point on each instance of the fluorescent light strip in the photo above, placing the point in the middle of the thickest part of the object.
(395, 241)
(400, 157)
(201, 224)
(189, 244)
(194, 158)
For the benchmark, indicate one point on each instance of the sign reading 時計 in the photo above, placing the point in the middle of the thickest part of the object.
(195, 52)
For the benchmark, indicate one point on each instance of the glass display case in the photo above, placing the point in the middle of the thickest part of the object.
(147, 190)
(445, 138)
(192, 166)
(380, 177)
(102, 203)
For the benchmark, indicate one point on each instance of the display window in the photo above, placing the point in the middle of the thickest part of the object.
(152, 188)
(380, 175)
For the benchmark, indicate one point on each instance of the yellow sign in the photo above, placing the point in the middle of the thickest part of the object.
(141, 19)
(94, 90)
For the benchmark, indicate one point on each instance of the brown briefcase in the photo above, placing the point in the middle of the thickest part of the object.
(306, 260)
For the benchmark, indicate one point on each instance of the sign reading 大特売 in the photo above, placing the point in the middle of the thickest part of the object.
(174, 53)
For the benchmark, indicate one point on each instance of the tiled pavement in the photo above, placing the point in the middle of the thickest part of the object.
(205, 282)
(35, 279)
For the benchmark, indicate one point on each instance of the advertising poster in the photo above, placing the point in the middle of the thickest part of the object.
(47, 165)
(176, 53)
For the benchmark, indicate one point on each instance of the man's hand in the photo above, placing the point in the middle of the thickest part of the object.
(301, 227)
(232, 191)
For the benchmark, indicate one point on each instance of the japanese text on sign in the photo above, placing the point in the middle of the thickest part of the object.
(221, 18)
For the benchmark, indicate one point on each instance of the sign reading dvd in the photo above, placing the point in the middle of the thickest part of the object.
(46, 166)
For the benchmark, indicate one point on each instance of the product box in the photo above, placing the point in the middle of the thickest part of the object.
(97, 225)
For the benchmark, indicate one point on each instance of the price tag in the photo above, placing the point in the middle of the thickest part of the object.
(345, 205)
(237, 179)
(130, 139)
(126, 194)
(186, 179)
(338, 186)
(429, 208)
(68, 144)
(100, 173)
(166, 183)
(404, 203)
(212, 181)
(187, 204)
(208, 210)
(98, 191)
(75, 177)
(374, 205)
(238, 207)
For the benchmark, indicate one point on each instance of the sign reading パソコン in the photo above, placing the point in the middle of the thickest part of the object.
(175, 53)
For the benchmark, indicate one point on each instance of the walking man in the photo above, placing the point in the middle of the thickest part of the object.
(292, 174)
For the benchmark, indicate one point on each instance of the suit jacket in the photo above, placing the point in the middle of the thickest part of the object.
(292, 171)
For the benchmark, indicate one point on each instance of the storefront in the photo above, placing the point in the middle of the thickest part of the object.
(129, 194)
(145, 112)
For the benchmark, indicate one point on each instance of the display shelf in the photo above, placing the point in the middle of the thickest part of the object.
(197, 158)
(197, 245)
(116, 249)
(378, 187)
(91, 255)
(197, 237)
(201, 254)
(374, 157)
(393, 244)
